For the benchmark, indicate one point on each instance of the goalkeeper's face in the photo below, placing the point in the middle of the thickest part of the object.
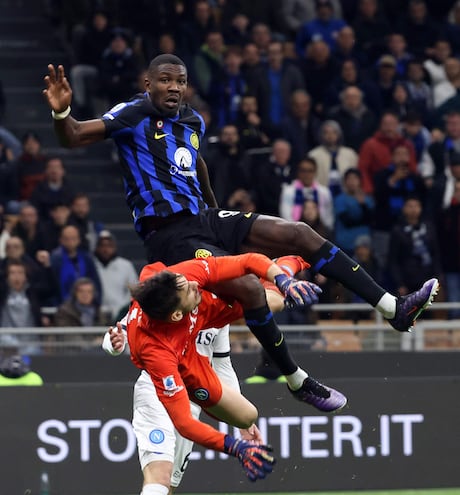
(189, 294)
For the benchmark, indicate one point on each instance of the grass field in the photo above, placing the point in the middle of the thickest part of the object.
(439, 491)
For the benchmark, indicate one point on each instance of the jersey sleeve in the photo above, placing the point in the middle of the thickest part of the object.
(163, 370)
(122, 118)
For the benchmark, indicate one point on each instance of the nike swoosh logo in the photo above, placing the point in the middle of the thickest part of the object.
(277, 344)
(355, 268)
(159, 136)
(248, 215)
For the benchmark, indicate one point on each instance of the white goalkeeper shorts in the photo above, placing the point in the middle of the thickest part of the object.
(157, 439)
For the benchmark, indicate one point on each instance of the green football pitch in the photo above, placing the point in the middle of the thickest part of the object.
(443, 491)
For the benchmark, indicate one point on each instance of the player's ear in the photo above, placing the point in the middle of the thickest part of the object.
(176, 316)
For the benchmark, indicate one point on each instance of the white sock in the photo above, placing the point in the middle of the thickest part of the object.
(295, 380)
(154, 489)
(387, 305)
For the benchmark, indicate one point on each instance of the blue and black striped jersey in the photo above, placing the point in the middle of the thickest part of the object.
(158, 158)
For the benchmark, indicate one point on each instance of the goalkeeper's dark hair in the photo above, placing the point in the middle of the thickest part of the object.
(158, 295)
(165, 58)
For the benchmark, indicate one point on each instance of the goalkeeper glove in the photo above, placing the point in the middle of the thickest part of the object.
(297, 292)
(255, 459)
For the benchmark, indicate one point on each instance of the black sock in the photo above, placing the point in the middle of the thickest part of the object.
(264, 328)
(331, 262)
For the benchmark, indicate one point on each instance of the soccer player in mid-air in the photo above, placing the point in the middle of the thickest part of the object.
(174, 209)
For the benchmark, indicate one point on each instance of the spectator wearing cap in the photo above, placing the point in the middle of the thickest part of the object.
(386, 79)
(15, 371)
(353, 212)
(324, 26)
(376, 152)
(118, 69)
(116, 273)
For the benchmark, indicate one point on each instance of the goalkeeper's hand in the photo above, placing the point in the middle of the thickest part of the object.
(297, 292)
(255, 459)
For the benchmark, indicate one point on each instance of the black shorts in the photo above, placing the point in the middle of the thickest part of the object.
(214, 231)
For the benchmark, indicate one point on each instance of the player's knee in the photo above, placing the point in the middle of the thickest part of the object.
(303, 237)
(158, 472)
(251, 291)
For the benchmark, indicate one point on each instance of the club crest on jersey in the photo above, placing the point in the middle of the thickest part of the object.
(201, 394)
(170, 386)
(194, 140)
(156, 436)
(183, 157)
(160, 124)
(202, 253)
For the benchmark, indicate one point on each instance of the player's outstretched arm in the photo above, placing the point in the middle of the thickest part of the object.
(70, 132)
(115, 339)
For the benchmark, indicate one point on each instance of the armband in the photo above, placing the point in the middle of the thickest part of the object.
(61, 115)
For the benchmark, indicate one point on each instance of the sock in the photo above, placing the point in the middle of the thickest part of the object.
(262, 325)
(291, 264)
(154, 489)
(387, 305)
(295, 381)
(331, 262)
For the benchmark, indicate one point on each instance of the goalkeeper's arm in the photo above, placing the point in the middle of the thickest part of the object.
(116, 339)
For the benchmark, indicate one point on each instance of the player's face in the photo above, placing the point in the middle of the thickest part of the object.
(189, 294)
(166, 85)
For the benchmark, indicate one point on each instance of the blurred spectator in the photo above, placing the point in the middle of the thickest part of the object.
(397, 48)
(441, 151)
(261, 36)
(228, 89)
(9, 187)
(208, 64)
(38, 269)
(435, 64)
(356, 121)
(324, 26)
(414, 130)
(53, 189)
(414, 252)
(420, 92)
(386, 79)
(229, 166)
(118, 69)
(449, 87)
(376, 152)
(419, 28)
(2, 102)
(300, 127)
(19, 308)
(349, 76)
(4, 233)
(70, 262)
(319, 69)
(295, 13)
(59, 215)
(15, 372)
(392, 186)
(253, 131)
(89, 41)
(193, 32)
(306, 187)
(80, 309)
(448, 226)
(237, 32)
(453, 29)
(251, 63)
(29, 228)
(370, 28)
(81, 217)
(333, 159)
(242, 200)
(31, 165)
(353, 212)
(10, 141)
(116, 274)
(346, 49)
(270, 175)
(274, 83)
(166, 44)
(401, 102)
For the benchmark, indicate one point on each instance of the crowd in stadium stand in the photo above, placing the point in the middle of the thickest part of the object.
(342, 114)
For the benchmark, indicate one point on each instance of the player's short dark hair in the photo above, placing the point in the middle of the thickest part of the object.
(158, 295)
(165, 58)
